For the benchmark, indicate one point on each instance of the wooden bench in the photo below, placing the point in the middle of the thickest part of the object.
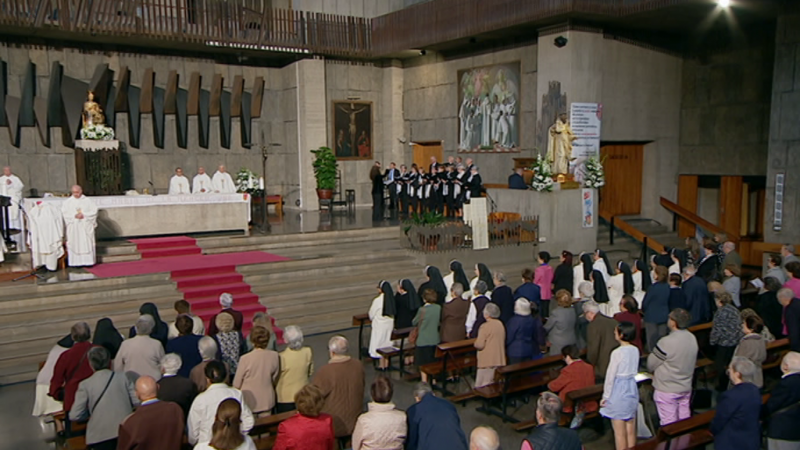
(775, 352)
(77, 438)
(276, 200)
(265, 429)
(702, 333)
(359, 320)
(454, 358)
(694, 440)
(401, 352)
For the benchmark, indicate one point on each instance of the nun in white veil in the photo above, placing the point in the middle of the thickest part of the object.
(381, 313)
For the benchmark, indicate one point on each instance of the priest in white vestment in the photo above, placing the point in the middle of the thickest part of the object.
(201, 184)
(46, 239)
(80, 217)
(179, 184)
(11, 186)
(222, 182)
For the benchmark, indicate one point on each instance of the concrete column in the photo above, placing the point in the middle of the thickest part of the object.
(392, 114)
(784, 142)
(311, 120)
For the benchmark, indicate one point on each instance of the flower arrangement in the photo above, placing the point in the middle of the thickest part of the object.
(542, 176)
(248, 182)
(97, 133)
(595, 175)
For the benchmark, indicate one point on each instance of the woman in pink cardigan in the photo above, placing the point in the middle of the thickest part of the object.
(543, 277)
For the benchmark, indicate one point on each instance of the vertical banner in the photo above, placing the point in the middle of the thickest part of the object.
(585, 119)
(587, 207)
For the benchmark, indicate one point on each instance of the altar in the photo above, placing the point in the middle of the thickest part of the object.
(124, 216)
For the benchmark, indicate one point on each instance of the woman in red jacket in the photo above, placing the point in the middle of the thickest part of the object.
(309, 429)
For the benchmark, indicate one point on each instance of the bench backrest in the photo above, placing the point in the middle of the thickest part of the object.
(456, 348)
(401, 333)
(778, 344)
(270, 423)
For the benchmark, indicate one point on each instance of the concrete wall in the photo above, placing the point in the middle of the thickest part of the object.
(430, 95)
(358, 8)
(725, 107)
(784, 143)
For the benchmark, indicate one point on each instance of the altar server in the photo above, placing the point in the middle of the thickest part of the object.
(222, 183)
(46, 239)
(11, 186)
(80, 216)
(178, 184)
(201, 184)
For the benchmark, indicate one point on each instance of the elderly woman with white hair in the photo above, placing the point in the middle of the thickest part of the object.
(297, 365)
(524, 333)
(230, 341)
(209, 351)
(491, 346)
(226, 302)
(141, 354)
(173, 387)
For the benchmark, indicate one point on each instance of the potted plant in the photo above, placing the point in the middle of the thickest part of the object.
(325, 167)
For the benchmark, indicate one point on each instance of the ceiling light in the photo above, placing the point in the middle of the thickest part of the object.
(724, 3)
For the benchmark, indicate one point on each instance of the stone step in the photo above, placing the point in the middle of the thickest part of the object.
(12, 291)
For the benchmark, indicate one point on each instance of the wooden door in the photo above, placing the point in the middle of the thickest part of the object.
(730, 205)
(622, 194)
(423, 152)
(687, 198)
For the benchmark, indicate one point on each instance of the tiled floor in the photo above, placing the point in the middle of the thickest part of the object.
(21, 431)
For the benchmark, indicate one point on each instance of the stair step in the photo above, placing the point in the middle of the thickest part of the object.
(171, 252)
(163, 242)
(208, 280)
(245, 298)
(186, 273)
(216, 290)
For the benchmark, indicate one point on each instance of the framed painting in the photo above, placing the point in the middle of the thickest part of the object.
(488, 108)
(352, 130)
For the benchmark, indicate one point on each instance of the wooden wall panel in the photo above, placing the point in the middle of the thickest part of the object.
(687, 198)
(216, 94)
(146, 98)
(170, 99)
(258, 96)
(121, 102)
(193, 102)
(236, 97)
(424, 151)
(730, 204)
(622, 194)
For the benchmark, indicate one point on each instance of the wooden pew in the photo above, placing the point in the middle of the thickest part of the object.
(265, 429)
(390, 352)
(775, 352)
(359, 320)
(454, 358)
(702, 333)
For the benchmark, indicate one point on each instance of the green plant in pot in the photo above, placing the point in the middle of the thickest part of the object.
(325, 172)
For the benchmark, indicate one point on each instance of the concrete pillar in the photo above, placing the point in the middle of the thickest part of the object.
(392, 114)
(311, 120)
(784, 142)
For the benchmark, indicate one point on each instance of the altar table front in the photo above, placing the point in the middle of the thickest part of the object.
(123, 216)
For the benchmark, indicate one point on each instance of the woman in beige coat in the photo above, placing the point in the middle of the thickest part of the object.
(491, 345)
(753, 346)
(297, 365)
(257, 373)
(382, 427)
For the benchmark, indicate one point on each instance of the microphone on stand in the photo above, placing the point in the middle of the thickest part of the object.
(152, 187)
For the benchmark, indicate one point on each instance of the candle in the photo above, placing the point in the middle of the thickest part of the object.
(261, 183)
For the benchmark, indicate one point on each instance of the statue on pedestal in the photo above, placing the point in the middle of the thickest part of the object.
(92, 113)
(559, 145)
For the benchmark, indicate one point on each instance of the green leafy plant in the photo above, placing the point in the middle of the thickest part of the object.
(325, 167)
(428, 219)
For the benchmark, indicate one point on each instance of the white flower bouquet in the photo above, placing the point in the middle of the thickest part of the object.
(542, 176)
(595, 175)
(97, 133)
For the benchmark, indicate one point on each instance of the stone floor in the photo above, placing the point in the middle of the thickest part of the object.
(21, 431)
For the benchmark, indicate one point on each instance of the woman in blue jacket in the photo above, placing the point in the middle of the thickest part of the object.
(524, 333)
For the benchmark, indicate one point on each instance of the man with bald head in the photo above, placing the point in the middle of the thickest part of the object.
(201, 184)
(156, 424)
(484, 438)
(222, 183)
(80, 218)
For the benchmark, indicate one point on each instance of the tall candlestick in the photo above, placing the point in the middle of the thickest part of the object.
(261, 183)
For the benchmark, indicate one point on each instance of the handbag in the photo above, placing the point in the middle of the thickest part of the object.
(59, 394)
(414, 334)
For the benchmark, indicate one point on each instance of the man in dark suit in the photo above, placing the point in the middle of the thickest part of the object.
(735, 424)
(175, 388)
(708, 268)
(695, 293)
(781, 413)
(185, 345)
(156, 425)
(391, 178)
(600, 338)
(433, 423)
(791, 314)
(503, 297)
(516, 181)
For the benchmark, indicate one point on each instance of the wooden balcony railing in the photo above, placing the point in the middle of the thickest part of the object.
(617, 223)
(697, 220)
(219, 23)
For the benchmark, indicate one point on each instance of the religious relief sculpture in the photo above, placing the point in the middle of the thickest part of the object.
(94, 122)
(559, 145)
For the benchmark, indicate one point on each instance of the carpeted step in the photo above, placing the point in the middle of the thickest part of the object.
(162, 242)
(208, 280)
(168, 252)
(201, 271)
(212, 302)
(215, 290)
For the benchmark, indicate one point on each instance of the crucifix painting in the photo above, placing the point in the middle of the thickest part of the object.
(352, 130)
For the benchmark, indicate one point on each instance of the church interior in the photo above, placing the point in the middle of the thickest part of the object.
(283, 158)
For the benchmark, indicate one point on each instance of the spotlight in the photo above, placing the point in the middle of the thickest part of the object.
(560, 42)
(724, 3)
(423, 52)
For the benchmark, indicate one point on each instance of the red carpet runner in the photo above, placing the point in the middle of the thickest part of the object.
(201, 278)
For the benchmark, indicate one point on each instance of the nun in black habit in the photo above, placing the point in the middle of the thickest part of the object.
(407, 303)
